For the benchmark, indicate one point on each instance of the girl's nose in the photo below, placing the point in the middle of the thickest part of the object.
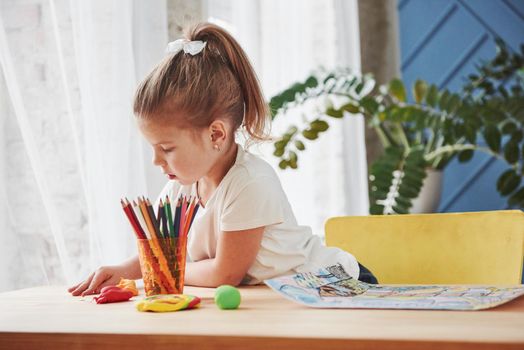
(157, 160)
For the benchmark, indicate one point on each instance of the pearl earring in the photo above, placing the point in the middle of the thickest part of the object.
(216, 147)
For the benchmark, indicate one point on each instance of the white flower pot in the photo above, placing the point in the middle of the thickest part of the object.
(429, 196)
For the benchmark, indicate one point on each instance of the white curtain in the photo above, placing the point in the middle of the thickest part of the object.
(286, 41)
(69, 149)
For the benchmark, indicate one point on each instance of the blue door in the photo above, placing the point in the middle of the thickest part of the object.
(441, 41)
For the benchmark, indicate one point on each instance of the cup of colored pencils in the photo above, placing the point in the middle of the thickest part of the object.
(162, 241)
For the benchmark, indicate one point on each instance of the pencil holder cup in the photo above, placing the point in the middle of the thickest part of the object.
(163, 264)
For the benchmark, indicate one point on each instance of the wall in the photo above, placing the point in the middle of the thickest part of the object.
(441, 41)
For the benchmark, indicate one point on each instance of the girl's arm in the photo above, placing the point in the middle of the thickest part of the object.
(236, 252)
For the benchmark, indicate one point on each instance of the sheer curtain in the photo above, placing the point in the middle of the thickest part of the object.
(286, 41)
(69, 149)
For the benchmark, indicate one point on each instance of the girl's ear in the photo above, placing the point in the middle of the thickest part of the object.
(218, 132)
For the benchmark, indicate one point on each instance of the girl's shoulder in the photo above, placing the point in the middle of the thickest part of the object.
(249, 167)
(250, 195)
(250, 174)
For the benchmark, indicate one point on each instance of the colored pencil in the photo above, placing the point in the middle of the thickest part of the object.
(151, 212)
(138, 214)
(163, 220)
(194, 214)
(135, 218)
(188, 216)
(169, 214)
(147, 219)
(182, 215)
(178, 213)
(133, 223)
(158, 217)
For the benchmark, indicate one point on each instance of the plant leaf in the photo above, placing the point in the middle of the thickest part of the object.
(492, 136)
(517, 198)
(300, 145)
(335, 113)
(509, 128)
(283, 164)
(443, 100)
(397, 89)
(319, 125)
(311, 82)
(465, 156)
(511, 152)
(274, 105)
(454, 103)
(432, 97)
(508, 182)
(420, 89)
(376, 209)
(279, 152)
(292, 130)
(470, 132)
(400, 209)
(310, 134)
(517, 136)
(351, 108)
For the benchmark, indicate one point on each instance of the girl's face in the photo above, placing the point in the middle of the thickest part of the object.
(183, 155)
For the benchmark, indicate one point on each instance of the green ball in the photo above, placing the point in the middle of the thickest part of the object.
(227, 297)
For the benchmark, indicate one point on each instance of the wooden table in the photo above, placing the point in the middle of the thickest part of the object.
(48, 317)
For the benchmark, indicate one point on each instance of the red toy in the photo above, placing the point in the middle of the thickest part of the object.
(112, 294)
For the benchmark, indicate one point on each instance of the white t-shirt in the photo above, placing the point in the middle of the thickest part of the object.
(249, 196)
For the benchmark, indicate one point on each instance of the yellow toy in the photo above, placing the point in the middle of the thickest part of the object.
(168, 302)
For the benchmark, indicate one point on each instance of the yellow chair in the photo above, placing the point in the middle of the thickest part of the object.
(451, 248)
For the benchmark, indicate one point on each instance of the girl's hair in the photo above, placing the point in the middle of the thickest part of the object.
(218, 82)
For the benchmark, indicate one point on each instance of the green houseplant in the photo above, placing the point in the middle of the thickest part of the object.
(424, 133)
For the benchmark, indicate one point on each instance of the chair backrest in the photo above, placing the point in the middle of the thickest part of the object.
(450, 248)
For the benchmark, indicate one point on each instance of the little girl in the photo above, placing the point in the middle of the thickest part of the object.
(189, 109)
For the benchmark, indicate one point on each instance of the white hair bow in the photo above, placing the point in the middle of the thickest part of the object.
(190, 47)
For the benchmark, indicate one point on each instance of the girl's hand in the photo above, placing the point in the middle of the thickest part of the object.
(107, 276)
(103, 276)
